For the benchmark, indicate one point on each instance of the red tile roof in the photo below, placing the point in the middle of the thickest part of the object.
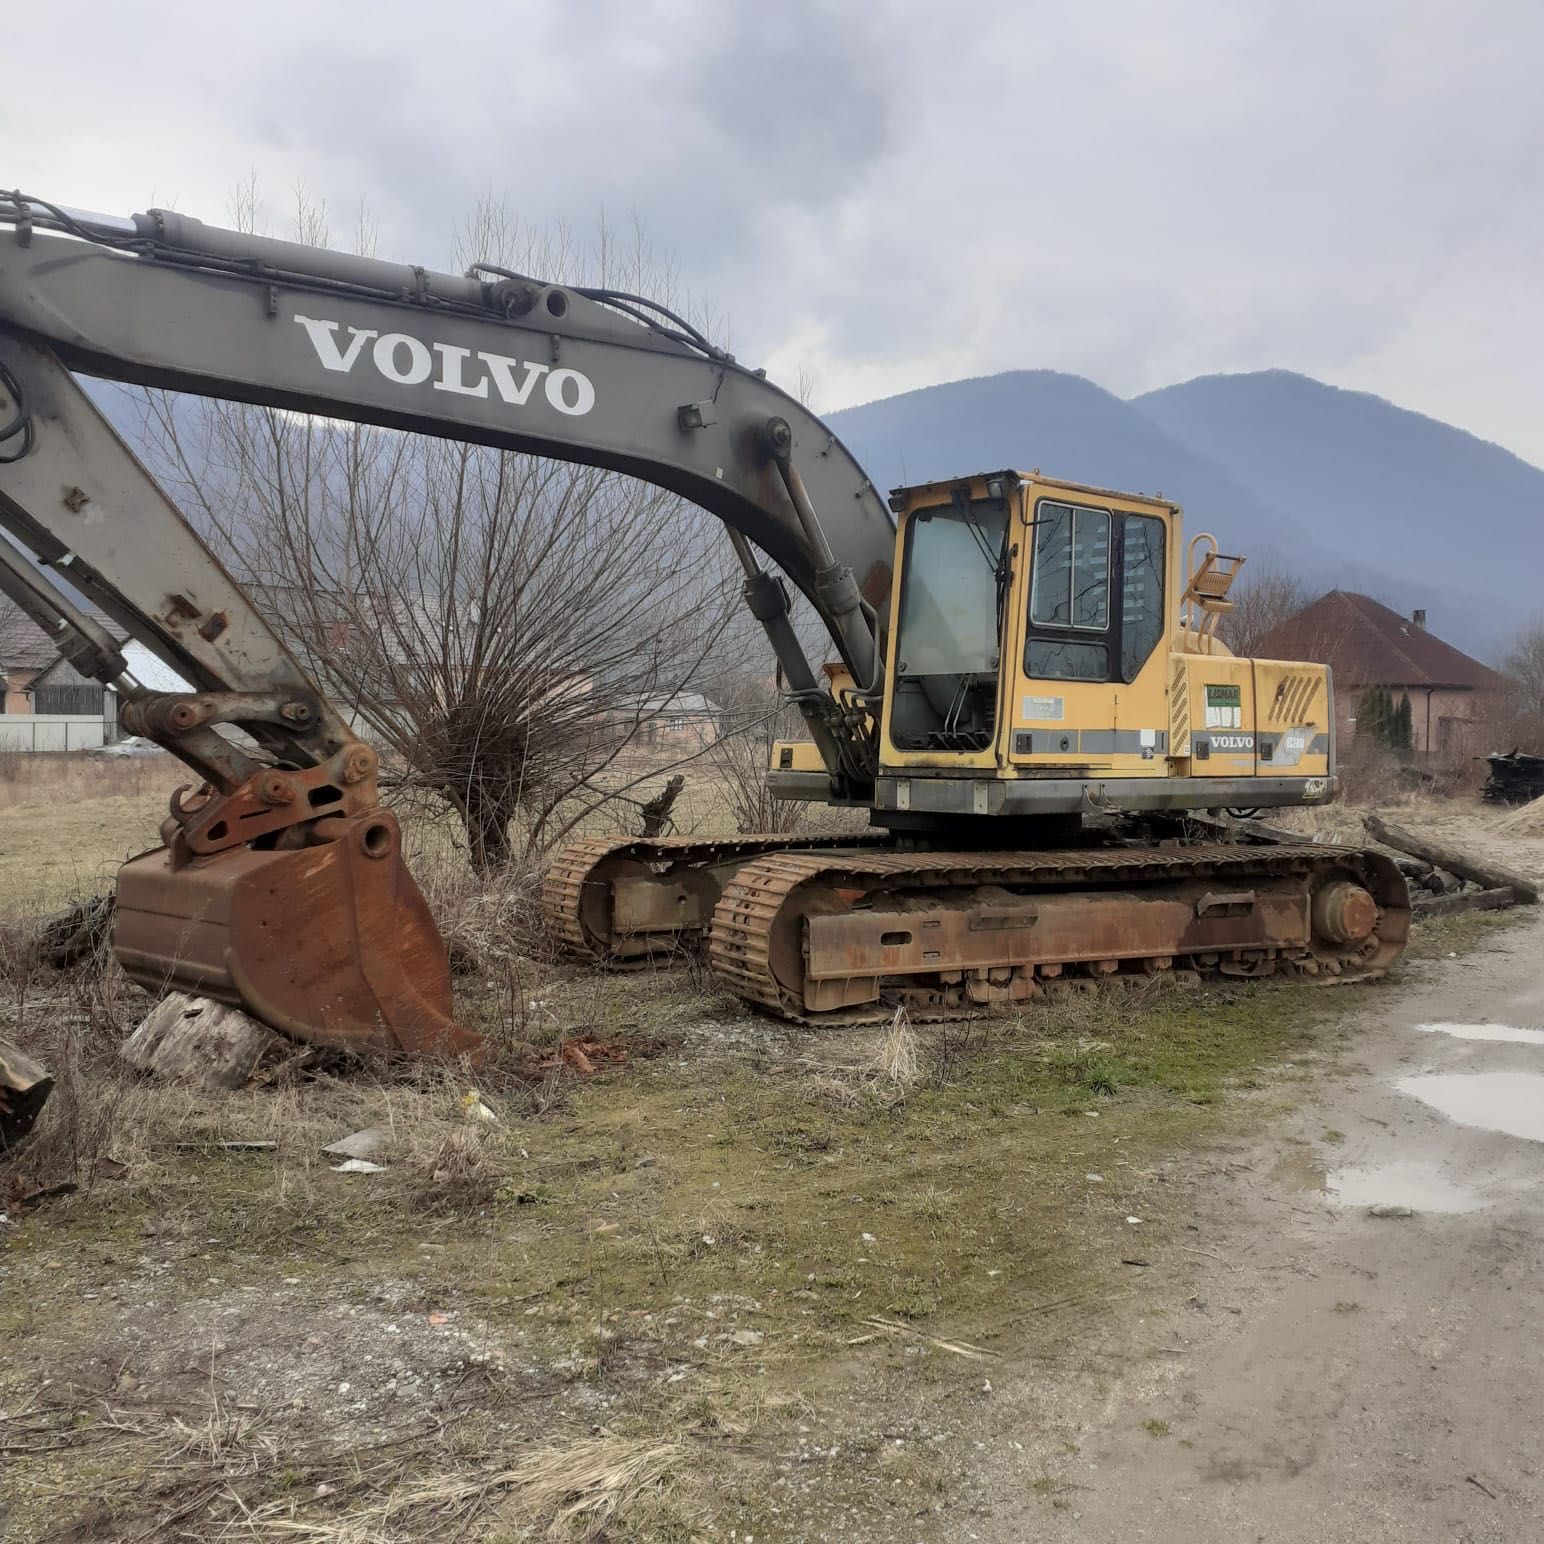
(1367, 644)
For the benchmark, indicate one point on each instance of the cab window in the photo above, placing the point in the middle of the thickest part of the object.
(1082, 558)
(1071, 582)
(1141, 591)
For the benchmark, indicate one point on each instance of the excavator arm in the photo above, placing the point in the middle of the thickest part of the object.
(280, 885)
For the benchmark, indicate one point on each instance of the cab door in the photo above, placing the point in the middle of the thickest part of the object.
(1089, 664)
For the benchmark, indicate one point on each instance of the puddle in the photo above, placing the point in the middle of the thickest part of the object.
(1424, 1187)
(1507, 1032)
(1509, 1102)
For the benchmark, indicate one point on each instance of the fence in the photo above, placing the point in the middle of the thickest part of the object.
(53, 731)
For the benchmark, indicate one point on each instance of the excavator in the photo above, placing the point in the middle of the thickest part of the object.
(1028, 695)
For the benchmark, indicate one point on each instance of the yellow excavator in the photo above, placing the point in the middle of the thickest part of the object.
(1028, 699)
(1057, 698)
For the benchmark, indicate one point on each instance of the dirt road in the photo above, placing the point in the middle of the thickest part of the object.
(1362, 1361)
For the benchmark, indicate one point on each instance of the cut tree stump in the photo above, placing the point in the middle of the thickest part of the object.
(194, 1040)
(1469, 900)
(1481, 871)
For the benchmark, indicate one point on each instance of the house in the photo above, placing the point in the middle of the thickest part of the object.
(1370, 646)
(683, 721)
(48, 705)
(37, 680)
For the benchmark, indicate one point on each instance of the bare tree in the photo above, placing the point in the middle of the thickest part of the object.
(1266, 595)
(1524, 670)
(506, 625)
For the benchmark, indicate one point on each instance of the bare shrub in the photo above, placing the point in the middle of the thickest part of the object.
(1372, 772)
(459, 1176)
(739, 762)
(485, 920)
(755, 716)
(1266, 595)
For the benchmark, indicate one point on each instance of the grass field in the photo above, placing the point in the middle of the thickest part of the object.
(628, 1303)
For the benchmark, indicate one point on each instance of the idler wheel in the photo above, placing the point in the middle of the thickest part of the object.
(1344, 913)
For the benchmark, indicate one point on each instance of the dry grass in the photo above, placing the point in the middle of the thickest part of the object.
(30, 780)
(68, 822)
(228, 1471)
(1525, 820)
(568, 1490)
(101, 1115)
(674, 1248)
(629, 1215)
(488, 923)
(896, 1064)
(436, 1158)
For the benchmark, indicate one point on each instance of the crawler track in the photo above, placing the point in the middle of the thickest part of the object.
(845, 937)
(679, 880)
(843, 929)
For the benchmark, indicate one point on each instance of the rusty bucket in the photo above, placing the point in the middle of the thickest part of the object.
(330, 942)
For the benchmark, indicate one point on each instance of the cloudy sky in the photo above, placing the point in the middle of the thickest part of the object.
(892, 193)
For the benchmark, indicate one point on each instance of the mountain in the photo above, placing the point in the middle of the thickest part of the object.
(1342, 487)
(1064, 425)
(1438, 511)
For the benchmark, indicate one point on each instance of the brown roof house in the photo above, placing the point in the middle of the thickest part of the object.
(36, 679)
(1369, 646)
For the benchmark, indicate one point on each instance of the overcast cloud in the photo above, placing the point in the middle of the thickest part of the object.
(891, 194)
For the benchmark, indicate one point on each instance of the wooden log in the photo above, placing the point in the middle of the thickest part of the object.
(1470, 900)
(1263, 831)
(1234, 827)
(24, 1088)
(193, 1040)
(656, 813)
(81, 933)
(1479, 870)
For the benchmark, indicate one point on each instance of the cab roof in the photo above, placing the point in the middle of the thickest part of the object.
(916, 493)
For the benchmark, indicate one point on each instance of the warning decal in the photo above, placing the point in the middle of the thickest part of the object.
(1224, 707)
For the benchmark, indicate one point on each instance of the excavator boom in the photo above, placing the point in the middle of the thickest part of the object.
(280, 884)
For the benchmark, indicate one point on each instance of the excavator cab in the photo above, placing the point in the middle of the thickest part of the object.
(1029, 619)
(1055, 654)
